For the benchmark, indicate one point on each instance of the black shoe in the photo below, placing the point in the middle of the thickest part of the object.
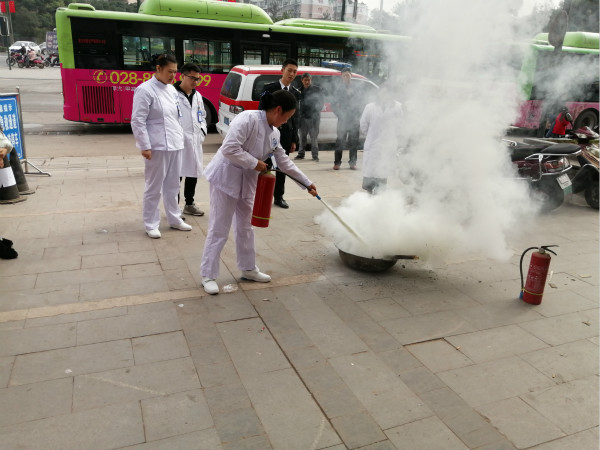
(7, 242)
(315, 159)
(281, 203)
(299, 156)
(7, 252)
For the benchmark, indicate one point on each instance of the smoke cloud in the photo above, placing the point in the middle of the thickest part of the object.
(451, 189)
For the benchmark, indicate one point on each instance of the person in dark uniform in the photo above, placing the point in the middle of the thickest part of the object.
(289, 130)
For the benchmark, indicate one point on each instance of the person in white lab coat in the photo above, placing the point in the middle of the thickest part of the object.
(155, 122)
(194, 126)
(233, 174)
(381, 122)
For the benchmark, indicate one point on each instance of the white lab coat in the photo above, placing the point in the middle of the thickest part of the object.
(233, 180)
(155, 122)
(382, 124)
(193, 121)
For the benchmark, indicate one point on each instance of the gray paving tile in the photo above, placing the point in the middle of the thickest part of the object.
(98, 290)
(76, 317)
(72, 361)
(222, 399)
(159, 347)
(24, 266)
(435, 301)
(197, 440)
(134, 383)
(301, 427)
(30, 340)
(6, 365)
(494, 380)
(252, 443)
(383, 445)
(332, 336)
(438, 355)
(17, 282)
(114, 427)
(572, 406)
(118, 259)
(12, 325)
(131, 325)
(142, 270)
(39, 297)
(238, 424)
(357, 430)
(566, 362)
(305, 356)
(80, 250)
(425, 327)
(562, 302)
(496, 343)
(383, 309)
(251, 347)
(35, 401)
(421, 380)
(500, 313)
(565, 328)
(389, 401)
(233, 306)
(577, 441)
(175, 414)
(217, 374)
(425, 434)
(399, 360)
(519, 422)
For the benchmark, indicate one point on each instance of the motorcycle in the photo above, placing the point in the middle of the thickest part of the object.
(585, 176)
(51, 60)
(545, 166)
(14, 58)
(32, 62)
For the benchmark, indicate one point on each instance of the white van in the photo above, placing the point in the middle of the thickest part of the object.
(244, 84)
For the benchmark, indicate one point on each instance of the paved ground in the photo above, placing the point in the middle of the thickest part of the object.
(106, 340)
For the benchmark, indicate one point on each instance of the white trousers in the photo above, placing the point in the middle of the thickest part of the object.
(162, 177)
(223, 209)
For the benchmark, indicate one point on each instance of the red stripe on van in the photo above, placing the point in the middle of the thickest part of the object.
(247, 105)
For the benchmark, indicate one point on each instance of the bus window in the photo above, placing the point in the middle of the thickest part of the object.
(277, 57)
(252, 55)
(210, 56)
(139, 51)
(313, 56)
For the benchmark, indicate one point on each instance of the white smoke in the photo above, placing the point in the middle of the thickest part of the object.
(451, 190)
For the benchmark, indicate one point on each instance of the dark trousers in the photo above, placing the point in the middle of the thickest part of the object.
(347, 138)
(309, 126)
(189, 190)
(279, 183)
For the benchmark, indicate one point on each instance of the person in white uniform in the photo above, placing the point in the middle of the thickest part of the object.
(155, 122)
(381, 123)
(232, 175)
(194, 126)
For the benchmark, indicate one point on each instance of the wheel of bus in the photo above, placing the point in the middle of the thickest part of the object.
(209, 113)
(586, 119)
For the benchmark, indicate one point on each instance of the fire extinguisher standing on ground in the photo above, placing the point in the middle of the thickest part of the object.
(533, 289)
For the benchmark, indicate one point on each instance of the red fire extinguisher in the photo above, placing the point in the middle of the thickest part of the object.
(533, 290)
(263, 200)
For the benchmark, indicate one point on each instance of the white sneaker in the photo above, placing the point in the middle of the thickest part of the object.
(210, 286)
(256, 275)
(181, 226)
(154, 234)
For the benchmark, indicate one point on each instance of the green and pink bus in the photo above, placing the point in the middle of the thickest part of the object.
(568, 77)
(105, 54)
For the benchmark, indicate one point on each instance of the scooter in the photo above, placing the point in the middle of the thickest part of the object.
(32, 62)
(585, 176)
(51, 60)
(545, 167)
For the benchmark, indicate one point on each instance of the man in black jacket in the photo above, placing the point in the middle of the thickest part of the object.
(311, 104)
(289, 130)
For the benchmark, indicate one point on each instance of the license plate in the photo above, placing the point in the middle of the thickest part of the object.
(226, 120)
(564, 181)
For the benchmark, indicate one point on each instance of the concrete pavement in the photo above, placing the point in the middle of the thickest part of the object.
(108, 341)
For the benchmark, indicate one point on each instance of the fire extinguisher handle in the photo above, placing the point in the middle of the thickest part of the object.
(547, 248)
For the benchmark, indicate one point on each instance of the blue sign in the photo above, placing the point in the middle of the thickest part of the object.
(11, 124)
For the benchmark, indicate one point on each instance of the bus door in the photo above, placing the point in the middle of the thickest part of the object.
(253, 54)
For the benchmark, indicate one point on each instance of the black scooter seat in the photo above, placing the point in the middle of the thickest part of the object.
(565, 149)
(522, 151)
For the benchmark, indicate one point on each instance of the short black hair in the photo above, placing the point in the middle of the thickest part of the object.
(164, 59)
(290, 61)
(190, 67)
(282, 98)
(306, 75)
